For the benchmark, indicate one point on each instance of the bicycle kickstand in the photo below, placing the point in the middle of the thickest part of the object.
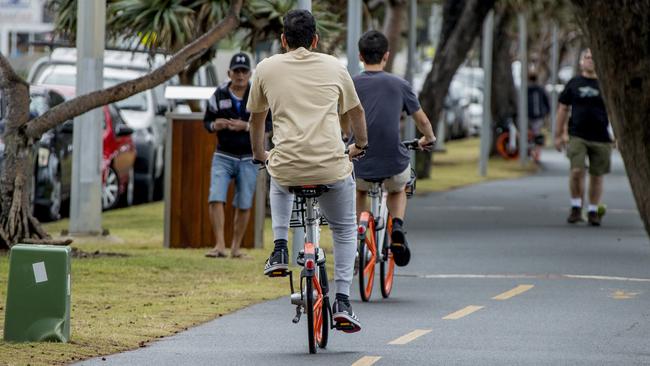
(296, 299)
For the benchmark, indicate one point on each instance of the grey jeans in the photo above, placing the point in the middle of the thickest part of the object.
(339, 208)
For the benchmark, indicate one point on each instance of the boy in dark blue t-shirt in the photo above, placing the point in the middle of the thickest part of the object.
(384, 96)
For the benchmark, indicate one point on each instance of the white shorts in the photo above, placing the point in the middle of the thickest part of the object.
(394, 184)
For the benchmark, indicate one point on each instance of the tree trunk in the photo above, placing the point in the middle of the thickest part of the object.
(393, 21)
(16, 221)
(461, 25)
(618, 32)
(504, 93)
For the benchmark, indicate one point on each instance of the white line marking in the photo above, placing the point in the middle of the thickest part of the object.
(466, 208)
(549, 276)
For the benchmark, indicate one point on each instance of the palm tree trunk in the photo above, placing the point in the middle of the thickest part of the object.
(393, 21)
(618, 33)
(461, 26)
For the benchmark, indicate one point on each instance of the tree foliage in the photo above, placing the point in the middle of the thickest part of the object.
(16, 221)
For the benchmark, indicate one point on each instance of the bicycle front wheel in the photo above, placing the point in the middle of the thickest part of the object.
(387, 266)
(367, 258)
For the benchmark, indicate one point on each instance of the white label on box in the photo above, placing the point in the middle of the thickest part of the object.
(40, 275)
(68, 284)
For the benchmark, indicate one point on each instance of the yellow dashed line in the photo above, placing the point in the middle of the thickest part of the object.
(411, 336)
(463, 312)
(514, 292)
(366, 361)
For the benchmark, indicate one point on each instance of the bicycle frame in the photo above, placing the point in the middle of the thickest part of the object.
(312, 222)
(379, 211)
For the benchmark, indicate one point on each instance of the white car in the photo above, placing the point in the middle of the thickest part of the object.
(144, 112)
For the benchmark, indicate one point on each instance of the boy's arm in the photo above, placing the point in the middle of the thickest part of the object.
(424, 126)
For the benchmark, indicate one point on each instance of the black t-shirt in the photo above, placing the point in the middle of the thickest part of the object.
(588, 115)
(223, 104)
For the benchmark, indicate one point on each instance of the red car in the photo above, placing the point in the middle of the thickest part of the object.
(118, 159)
(53, 167)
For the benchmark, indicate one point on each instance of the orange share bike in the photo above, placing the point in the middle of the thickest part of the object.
(374, 232)
(312, 299)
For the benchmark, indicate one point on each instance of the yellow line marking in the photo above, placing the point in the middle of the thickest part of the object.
(463, 312)
(410, 337)
(366, 361)
(514, 292)
(622, 295)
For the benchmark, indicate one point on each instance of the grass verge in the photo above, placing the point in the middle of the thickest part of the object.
(121, 303)
(458, 167)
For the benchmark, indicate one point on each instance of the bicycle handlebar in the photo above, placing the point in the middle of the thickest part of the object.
(415, 145)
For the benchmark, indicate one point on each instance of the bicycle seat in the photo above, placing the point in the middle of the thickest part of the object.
(309, 191)
(375, 180)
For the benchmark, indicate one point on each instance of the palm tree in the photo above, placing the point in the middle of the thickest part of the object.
(168, 25)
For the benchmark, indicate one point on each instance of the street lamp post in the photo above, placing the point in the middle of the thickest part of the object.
(85, 202)
(523, 90)
(486, 128)
(354, 33)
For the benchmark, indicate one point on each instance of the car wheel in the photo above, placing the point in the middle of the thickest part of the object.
(127, 197)
(110, 190)
(145, 188)
(54, 211)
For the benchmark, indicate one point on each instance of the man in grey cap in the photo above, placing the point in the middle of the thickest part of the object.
(227, 116)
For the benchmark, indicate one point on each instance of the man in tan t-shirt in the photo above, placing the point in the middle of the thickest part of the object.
(309, 93)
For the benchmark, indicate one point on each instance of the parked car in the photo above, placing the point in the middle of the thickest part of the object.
(53, 165)
(144, 112)
(456, 106)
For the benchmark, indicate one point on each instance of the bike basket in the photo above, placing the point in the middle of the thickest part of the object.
(298, 213)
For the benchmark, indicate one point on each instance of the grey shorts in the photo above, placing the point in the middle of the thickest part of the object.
(394, 184)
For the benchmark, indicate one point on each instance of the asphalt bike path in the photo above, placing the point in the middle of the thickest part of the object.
(497, 277)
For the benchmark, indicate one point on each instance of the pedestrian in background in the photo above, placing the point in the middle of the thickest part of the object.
(226, 115)
(538, 109)
(587, 137)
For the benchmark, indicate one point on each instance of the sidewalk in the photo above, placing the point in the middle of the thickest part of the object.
(469, 244)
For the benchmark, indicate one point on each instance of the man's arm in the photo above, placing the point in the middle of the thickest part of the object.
(357, 121)
(561, 135)
(257, 121)
(345, 125)
(424, 126)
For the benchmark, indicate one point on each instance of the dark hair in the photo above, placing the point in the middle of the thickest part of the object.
(299, 28)
(373, 45)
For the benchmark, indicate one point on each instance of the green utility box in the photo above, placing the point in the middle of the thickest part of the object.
(38, 294)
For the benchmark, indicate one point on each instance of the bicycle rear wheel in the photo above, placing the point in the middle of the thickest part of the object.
(322, 329)
(315, 314)
(387, 266)
(367, 258)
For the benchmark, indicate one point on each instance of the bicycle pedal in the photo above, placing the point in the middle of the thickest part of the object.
(279, 273)
(344, 326)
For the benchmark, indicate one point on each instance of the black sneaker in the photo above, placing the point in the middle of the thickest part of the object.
(575, 215)
(399, 246)
(593, 218)
(344, 317)
(278, 264)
